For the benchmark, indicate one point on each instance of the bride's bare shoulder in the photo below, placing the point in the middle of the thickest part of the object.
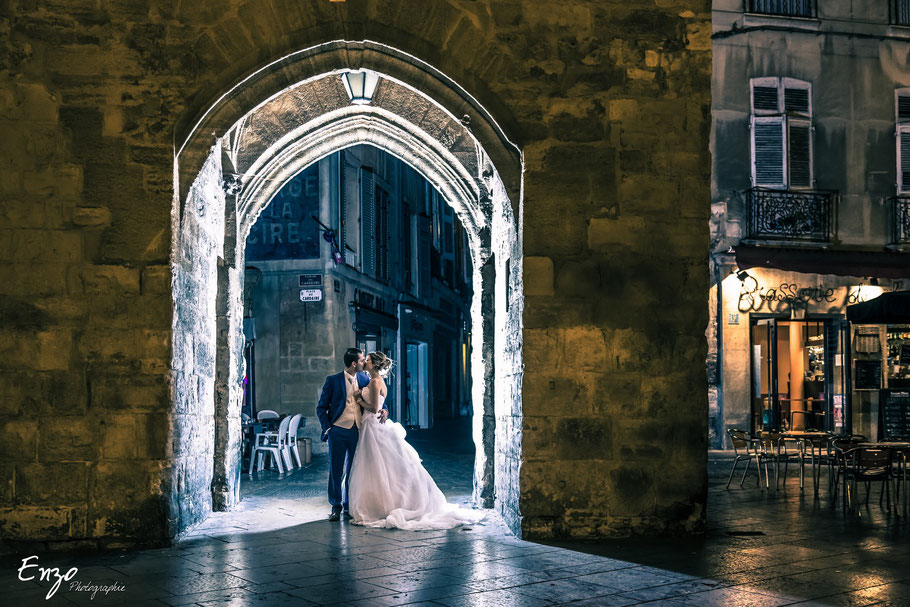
(378, 382)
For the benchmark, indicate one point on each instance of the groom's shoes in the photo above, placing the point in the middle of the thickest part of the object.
(336, 514)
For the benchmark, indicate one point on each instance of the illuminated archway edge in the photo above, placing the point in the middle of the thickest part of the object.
(357, 124)
(194, 137)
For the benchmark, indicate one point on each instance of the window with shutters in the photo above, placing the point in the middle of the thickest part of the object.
(367, 223)
(784, 8)
(781, 133)
(902, 119)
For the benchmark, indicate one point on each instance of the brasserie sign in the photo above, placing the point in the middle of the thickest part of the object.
(788, 295)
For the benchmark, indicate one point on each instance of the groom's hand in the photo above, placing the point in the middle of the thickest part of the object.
(383, 415)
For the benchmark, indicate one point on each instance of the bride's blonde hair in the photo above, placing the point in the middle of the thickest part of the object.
(381, 362)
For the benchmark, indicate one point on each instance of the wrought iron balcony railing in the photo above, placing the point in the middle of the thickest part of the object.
(790, 215)
(900, 220)
(786, 8)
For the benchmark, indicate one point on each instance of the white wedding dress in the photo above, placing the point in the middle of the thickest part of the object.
(391, 488)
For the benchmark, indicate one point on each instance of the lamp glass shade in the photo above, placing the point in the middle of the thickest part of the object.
(360, 85)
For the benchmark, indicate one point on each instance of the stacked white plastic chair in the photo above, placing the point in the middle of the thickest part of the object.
(292, 441)
(273, 443)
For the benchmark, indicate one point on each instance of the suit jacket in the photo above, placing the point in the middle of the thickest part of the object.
(333, 398)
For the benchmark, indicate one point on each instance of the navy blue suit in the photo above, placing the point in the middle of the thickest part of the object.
(342, 441)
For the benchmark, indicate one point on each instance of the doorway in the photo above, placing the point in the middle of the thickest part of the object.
(799, 373)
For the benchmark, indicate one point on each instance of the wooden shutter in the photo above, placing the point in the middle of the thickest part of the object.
(424, 240)
(796, 100)
(800, 148)
(382, 234)
(903, 107)
(903, 158)
(768, 151)
(367, 222)
(342, 206)
(765, 96)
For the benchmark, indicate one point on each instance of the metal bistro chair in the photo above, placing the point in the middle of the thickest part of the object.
(745, 446)
(836, 446)
(273, 443)
(774, 448)
(867, 465)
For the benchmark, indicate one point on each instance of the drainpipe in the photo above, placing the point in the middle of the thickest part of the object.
(719, 339)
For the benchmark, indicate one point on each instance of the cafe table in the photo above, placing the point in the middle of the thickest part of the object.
(815, 441)
(903, 449)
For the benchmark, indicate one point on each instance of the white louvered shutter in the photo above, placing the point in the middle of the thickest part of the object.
(765, 96)
(903, 158)
(797, 98)
(800, 153)
(367, 222)
(768, 151)
(902, 111)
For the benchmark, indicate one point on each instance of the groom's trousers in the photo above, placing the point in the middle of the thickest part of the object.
(342, 444)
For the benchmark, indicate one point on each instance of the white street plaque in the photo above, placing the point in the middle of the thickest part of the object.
(310, 294)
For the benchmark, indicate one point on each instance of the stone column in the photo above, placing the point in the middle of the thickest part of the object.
(228, 357)
(483, 363)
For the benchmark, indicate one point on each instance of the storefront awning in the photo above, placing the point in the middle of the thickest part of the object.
(887, 308)
(878, 264)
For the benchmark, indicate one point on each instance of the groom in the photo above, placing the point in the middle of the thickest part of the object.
(339, 415)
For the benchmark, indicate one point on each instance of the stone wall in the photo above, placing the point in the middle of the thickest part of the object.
(197, 259)
(609, 103)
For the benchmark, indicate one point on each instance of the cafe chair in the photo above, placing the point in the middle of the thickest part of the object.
(775, 447)
(272, 443)
(837, 444)
(266, 414)
(867, 465)
(745, 447)
(292, 441)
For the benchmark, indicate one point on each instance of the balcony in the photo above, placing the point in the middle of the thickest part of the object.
(783, 8)
(791, 216)
(900, 221)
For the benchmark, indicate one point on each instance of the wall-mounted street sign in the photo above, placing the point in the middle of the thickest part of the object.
(310, 294)
(310, 280)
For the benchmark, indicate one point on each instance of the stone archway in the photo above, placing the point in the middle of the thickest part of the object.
(234, 159)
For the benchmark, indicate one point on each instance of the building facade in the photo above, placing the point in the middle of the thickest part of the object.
(810, 169)
(402, 285)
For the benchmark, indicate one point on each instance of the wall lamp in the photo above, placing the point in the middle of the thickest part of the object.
(360, 85)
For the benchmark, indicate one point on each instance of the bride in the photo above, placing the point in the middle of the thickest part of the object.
(389, 485)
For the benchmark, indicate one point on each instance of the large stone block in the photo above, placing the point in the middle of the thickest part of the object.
(51, 484)
(68, 438)
(46, 522)
(19, 440)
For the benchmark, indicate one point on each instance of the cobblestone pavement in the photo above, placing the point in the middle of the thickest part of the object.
(761, 548)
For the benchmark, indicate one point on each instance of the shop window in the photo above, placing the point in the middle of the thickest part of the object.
(902, 120)
(782, 129)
